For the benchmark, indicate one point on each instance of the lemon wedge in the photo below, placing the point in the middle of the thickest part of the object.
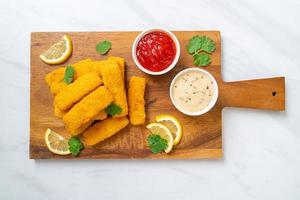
(164, 132)
(172, 124)
(58, 52)
(56, 143)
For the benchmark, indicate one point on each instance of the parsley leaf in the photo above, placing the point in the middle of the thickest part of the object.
(69, 73)
(156, 143)
(208, 45)
(194, 45)
(201, 43)
(113, 109)
(199, 46)
(103, 47)
(201, 59)
(75, 146)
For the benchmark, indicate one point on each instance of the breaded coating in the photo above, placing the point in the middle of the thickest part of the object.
(99, 65)
(56, 87)
(61, 113)
(103, 130)
(82, 128)
(136, 101)
(58, 74)
(55, 78)
(112, 79)
(58, 112)
(75, 91)
(121, 62)
(86, 109)
(83, 67)
(101, 115)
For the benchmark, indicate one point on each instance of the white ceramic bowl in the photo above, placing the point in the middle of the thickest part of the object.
(140, 36)
(213, 100)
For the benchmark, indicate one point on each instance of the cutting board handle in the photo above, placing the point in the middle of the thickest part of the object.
(266, 93)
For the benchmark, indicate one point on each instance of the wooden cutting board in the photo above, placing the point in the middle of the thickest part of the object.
(202, 135)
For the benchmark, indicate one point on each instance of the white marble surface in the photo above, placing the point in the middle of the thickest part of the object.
(261, 149)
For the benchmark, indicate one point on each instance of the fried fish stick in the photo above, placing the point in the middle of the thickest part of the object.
(101, 64)
(58, 74)
(82, 68)
(73, 92)
(136, 100)
(56, 87)
(86, 109)
(103, 130)
(101, 115)
(82, 128)
(58, 112)
(121, 62)
(61, 113)
(55, 79)
(112, 79)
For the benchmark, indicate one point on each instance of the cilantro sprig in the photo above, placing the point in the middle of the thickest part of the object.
(201, 59)
(75, 146)
(194, 45)
(200, 47)
(156, 143)
(69, 73)
(113, 109)
(103, 47)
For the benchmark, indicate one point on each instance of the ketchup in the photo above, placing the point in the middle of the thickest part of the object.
(156, 51)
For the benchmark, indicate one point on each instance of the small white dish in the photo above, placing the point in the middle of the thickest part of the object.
(212, 101)
(140, 36)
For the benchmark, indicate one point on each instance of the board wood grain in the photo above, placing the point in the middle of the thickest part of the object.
(202, 135)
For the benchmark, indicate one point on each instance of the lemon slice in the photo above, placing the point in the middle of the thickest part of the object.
(163, 132)
(172, 124)
(56, 143)
(59, 52)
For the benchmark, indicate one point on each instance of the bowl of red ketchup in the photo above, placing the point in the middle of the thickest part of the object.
(156, 51)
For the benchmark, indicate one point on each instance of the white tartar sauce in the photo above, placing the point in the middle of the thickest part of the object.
(193, 91)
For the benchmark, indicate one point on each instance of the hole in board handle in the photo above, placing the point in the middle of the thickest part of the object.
(274, 93)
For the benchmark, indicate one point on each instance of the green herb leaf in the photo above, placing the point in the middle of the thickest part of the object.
(156, 143)
(201, 43)
(113, 109)
(103, 47)
(194, 45)
(201, 59)
(69, 73)
(208, 45)
(75, 146)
